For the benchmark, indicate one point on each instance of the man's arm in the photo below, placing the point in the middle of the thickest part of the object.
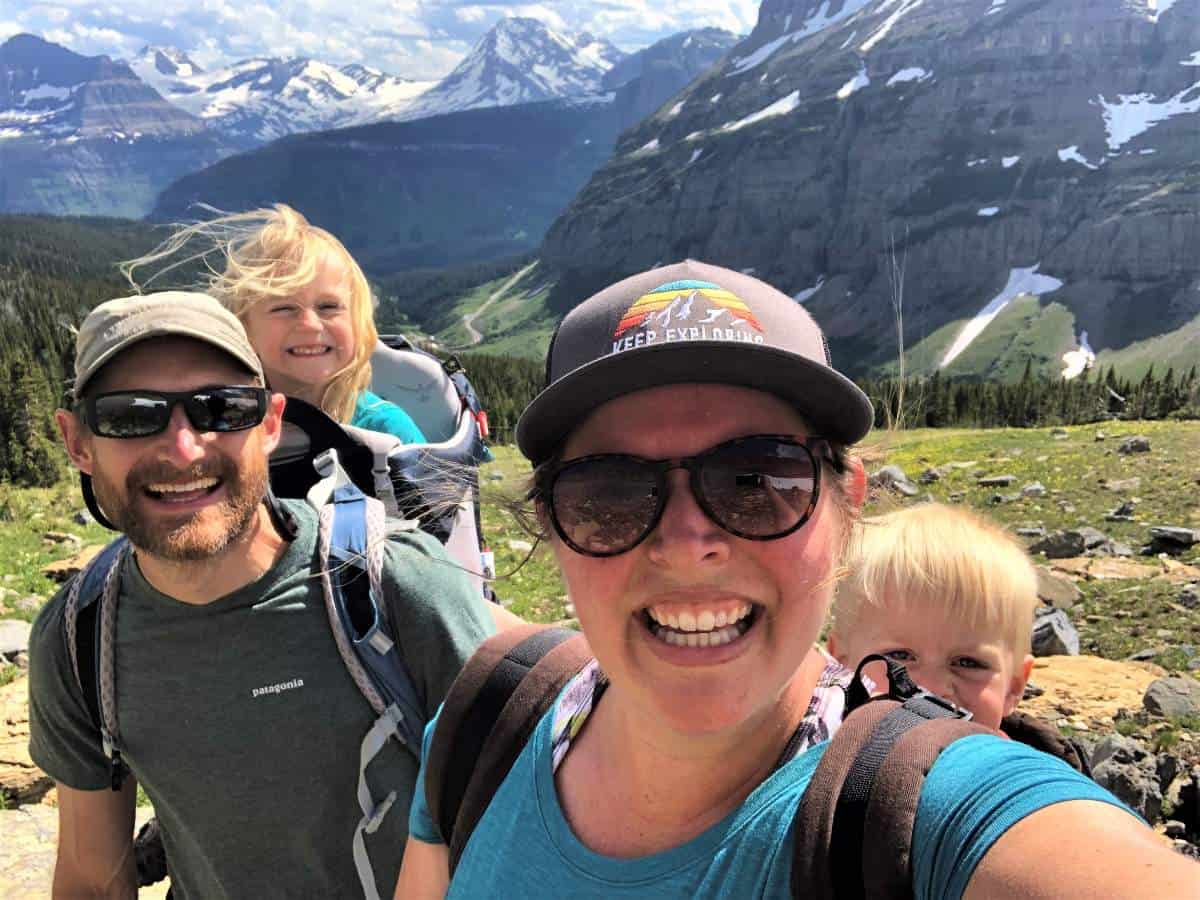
(95, 844)
(1099, 850)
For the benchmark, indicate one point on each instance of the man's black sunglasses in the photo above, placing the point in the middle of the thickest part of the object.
(759, 488)
(136, 414)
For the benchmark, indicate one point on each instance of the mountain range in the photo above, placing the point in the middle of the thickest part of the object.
(453, 188)
(1010, 173)
(94, 135)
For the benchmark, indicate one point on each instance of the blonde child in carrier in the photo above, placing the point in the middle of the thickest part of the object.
(306, 306)
(949, 595)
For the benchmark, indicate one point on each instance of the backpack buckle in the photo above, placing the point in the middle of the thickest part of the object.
(923, 699)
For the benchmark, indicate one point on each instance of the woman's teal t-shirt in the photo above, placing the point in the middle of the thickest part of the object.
(978, 788)
(374, 413)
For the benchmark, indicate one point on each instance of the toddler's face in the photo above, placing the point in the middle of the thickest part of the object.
(965, 664)
(305, 339)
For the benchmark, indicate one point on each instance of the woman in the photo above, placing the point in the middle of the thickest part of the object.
(691, 461)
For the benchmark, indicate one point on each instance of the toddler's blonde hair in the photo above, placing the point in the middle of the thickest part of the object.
(946, 557)
(269, 254)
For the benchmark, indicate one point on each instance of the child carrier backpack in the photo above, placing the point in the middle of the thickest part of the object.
(868, 781)
(435, 484)
(351, 532)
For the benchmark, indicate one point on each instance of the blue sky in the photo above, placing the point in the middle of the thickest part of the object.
(414, 38)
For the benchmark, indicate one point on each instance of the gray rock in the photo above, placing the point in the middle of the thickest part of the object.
(1174, 829)
(14, 637)
(1031, 691)
(1060, 545)
(997, 480)
(1137, 444)
(1122, 513)
(930, 475)
(1189, 597)
(1092, 537)
(1174, 534)
(1056, 591)
(1177, 696)
(887, 476)
(83, 517)
(1143, 655)
(1059, 432)
(1100, 436)
(1110, 548)
(1033, 489)
(1053, 634)
(1032, 531)
(997, 499)
(907, 488)
(1130, 771)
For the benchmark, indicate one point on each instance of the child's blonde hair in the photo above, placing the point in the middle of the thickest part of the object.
(270, 254)
(943, 556)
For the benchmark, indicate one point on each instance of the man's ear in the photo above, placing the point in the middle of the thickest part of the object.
(1016, 686)
(272, 423)
(76, 439)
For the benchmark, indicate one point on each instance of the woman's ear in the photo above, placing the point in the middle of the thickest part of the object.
(855, 482)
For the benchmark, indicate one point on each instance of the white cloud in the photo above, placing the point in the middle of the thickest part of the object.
(413, 38)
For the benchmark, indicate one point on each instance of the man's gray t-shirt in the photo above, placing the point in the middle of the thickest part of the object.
(242, 724)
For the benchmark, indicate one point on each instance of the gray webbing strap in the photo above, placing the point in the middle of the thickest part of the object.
(108, 647)
(385, 727)
(384, 490)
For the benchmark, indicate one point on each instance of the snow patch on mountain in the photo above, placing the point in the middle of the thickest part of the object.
(818, 21)
(1020, 281)
(1072, 154)
(906, 6)
(1079, 360)
(988, 211)
(1009, 161)
(1133, 114)
(1193, 60)
(857, 83)
(801, 296)
(913, 73)
(1160, 7)
(780, 107)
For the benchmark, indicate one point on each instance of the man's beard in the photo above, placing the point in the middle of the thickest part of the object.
(192, 536)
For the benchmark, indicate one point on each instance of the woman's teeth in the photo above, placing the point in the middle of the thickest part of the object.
(703, 628)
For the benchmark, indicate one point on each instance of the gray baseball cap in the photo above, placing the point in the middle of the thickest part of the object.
(689, 322)
(116, 325)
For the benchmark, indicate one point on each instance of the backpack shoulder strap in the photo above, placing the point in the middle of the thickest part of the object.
(868, 783)
(488, 716)
(89, 621)
(1042, 735)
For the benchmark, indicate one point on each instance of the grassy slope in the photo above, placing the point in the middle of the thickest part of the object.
(1131, 613)
(1115, 619)
(516, 323)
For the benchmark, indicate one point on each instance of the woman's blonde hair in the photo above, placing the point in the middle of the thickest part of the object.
(270, 254)
(943, 556)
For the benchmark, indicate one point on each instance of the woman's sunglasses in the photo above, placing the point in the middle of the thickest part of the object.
(759, 488)
(137, 414)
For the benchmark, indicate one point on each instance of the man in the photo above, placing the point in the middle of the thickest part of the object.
(236, 713)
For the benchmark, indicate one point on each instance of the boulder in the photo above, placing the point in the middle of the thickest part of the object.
(893, 478)
(1032, 531)
(1092, 537)
(1092, 687)
(1056, 591)
(1178, 696)
(20, 780)
(1189, 597)
(83, 517)
(65, 568)
(1136, 444)
(930, 475)
(1130, 771)
(1060, 545)
(1053, 634)
(62, 537)
(1174, 534)
(14, 638)
(1033, 489)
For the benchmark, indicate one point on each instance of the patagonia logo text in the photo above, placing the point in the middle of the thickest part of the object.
(277, 688)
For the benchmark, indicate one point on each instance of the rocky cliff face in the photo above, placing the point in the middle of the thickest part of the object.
(983, 137)
(85, 135)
